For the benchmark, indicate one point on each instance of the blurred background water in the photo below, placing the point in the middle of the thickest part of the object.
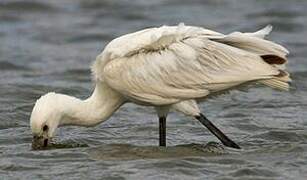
(48, 45)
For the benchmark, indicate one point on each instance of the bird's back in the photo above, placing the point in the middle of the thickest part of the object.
(154, 38)
(175, 63)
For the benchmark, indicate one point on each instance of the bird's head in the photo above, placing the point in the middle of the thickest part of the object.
(45, 119)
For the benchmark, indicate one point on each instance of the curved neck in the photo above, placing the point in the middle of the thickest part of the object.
(97, 108)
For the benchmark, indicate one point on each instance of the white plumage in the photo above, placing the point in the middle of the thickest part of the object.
(167, 67)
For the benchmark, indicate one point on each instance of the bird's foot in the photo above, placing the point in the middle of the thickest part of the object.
(213, 147)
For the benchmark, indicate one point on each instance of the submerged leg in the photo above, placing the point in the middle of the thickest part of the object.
(218, 133)
(162, 131)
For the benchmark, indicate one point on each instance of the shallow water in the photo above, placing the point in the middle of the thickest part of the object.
(49, 45)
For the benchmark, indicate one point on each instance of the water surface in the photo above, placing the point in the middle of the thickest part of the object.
(49, 46)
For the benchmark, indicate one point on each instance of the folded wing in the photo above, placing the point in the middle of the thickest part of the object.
(163, 66)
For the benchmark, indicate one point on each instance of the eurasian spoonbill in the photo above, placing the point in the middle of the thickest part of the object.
(169, 67)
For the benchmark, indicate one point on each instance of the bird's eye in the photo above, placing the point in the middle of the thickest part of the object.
(45, 128)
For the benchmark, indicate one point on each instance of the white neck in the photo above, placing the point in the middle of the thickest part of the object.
(92, 111)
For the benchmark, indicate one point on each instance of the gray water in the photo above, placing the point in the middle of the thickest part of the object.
(48, 45)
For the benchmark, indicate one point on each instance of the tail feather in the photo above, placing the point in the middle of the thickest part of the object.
(280, 81)
(276, 84)
(271, 53)
(254, 43)
(262, 32)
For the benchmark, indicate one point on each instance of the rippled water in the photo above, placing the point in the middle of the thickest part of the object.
(49, 45)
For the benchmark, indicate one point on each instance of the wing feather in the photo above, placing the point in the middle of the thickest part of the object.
(187, 68)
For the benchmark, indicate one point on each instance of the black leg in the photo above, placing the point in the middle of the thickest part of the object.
(218, 133)
(162, 131)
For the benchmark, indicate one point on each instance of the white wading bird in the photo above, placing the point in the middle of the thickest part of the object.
(170, 67)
